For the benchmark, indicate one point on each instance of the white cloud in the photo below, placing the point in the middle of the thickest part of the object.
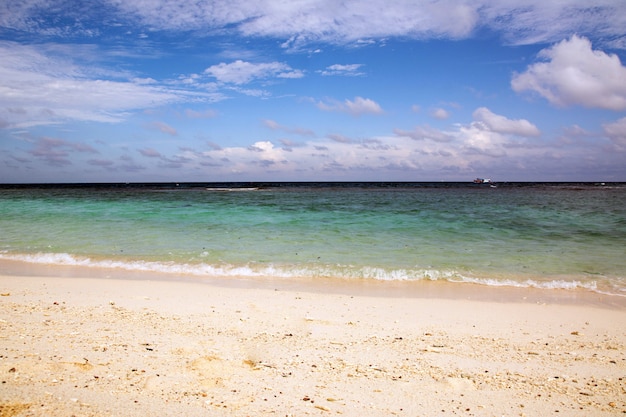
(183, 15)
(38, 87)
(500, 124)
(355, 107)
(440, 114)
(351, 70)
(48, 17)
(616, 131)
(264, 146)
(242, 72)
(489, 137)
(481, 141)
(540, 21)
(463, 151)
(258, 157)
(353, 20)
(363, 105)
(303, 21)
(252, 92)
(576, 74)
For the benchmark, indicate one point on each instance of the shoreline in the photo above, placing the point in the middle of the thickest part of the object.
(365, 287)
(116, 346)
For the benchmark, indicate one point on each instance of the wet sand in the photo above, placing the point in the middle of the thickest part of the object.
(108, 346)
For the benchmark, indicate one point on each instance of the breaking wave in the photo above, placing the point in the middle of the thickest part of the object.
(310, 271)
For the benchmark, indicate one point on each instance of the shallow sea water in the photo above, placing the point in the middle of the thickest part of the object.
(537, 235)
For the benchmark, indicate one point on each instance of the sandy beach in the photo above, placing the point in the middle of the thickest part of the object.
(89, 345)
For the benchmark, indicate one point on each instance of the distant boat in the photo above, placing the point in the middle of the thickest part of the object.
(487, 181)
(482, 181)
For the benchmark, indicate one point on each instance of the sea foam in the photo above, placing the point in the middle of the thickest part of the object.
(299, 271)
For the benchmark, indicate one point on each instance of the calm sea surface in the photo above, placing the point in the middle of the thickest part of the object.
(544, 235)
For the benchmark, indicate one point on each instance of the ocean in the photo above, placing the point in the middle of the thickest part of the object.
(562, 236)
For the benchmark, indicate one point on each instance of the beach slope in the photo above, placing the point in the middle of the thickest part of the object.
(115, 347)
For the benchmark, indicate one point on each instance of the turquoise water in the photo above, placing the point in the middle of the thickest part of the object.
(546, 235)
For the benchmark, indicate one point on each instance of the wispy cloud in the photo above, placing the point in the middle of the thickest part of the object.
(355, 107)
(150, 153)
(537, 21)
(58, 152)
(349, 70)
(206, 114)
(271, 124)
(440, 113)
(339, 138)
(41, 88)
(163, 128)
(130, 63)
(505, 147)
(616, 131)
(425, 132)
(353, 21)
(242, 72)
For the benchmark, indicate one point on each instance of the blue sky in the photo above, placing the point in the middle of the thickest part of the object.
(301, 90)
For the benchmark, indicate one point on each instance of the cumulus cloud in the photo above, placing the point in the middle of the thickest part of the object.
(574, 73)
(264, 146)
(462, 151)
(500, 124)
(242, 72)
(488, 135)
(49, 83)
(261, 154)
(477, 140)
(355, 107)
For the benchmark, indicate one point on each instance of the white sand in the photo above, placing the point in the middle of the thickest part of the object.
(112, 347)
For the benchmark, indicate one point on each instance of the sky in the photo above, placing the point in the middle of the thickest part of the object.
(312, 90)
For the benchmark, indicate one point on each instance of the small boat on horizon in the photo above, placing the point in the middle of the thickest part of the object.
(487, 181)
(482, 181)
